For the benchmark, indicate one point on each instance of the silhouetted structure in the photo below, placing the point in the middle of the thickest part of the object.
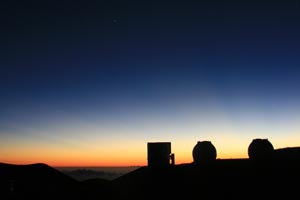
(172, 157)
(159, 154)
(204, 151)
(260, 149)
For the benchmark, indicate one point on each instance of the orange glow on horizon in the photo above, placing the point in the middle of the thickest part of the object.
(70, 161)
(119, 153)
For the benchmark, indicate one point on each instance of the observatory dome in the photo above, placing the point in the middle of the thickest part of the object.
(204, 151)
(260, 148)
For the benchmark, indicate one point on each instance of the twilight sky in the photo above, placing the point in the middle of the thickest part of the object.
(91, 82)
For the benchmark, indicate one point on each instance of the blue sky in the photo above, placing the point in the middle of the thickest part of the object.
(74, 73)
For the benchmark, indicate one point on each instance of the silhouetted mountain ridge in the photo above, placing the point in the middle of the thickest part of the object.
(221, 179)
(40, 181)
(275, 177)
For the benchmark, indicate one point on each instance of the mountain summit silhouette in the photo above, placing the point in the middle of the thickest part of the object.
(234, 179)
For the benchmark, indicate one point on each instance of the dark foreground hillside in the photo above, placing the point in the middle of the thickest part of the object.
(220, 179)
(40, 181)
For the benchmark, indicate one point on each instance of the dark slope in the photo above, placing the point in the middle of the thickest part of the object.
(40, 181)
(288, 153)
(222, 179)
(34, 181)
(33, 172)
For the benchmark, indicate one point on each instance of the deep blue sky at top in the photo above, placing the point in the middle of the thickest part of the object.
(105, 56)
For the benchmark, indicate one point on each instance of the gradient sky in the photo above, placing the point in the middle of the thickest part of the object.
(90, 83)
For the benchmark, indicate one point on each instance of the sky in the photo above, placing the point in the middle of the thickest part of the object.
(89, 83)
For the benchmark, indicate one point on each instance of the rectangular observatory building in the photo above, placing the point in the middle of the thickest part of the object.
(159, 154)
